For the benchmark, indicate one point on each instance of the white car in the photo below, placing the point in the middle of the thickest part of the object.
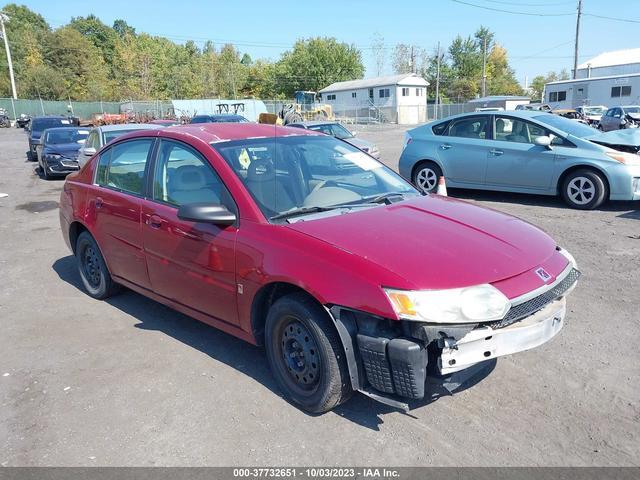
(100, 136)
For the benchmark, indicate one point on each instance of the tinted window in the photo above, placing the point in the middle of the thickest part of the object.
(126, 164)
(61, 136)
(469, 127)
(202, 119)
(182, 176)
(440, 128)
(44, 123)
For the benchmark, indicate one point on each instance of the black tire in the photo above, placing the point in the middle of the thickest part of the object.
(45, 173)
(305, 354)
(93, 270)
(584, 189)
(425, 176)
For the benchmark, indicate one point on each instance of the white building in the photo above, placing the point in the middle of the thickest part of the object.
(397, 98)
(618, 62)
(608, 91)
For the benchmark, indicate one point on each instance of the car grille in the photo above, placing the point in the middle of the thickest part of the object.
(530, 307)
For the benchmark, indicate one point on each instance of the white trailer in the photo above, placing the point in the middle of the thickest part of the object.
(608, 91)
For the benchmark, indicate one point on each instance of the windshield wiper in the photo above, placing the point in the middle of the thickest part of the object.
(384, 197)
(303, 211)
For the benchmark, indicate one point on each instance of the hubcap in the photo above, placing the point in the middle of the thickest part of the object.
(426, 179)
(581, 190)
(300, 355)
(91, 266)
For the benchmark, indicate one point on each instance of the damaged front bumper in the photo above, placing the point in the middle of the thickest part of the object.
(390, 360)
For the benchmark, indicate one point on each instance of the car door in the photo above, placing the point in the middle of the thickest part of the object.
(114, 208)
(463, 148)
(190, 263)
(514, 160)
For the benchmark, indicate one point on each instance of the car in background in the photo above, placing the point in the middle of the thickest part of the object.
(534, 106)
(165, 122)
(617, 118)
(5, 121)
(489, 109)
(520, 151)
(222, 118)
(39, 125)
(100, 136)
(59, 153)
(592, 113)
(300, 242)
(335, 129)
(23, 120)
(571, 114)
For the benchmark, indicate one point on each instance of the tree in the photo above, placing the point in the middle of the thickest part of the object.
(122, 28)
(536, 88)
(315, 63)
(501, 78)
(378, 53)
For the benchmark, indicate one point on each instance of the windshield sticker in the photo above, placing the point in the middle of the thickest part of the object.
(362, 160)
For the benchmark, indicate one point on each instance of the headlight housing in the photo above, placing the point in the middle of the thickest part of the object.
(53, 156)
(480, 303)
(626, 158)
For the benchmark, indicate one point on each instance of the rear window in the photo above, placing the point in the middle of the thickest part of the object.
(109, 136)
(44, 123)
(440, 128)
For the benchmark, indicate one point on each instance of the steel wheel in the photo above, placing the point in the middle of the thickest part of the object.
(581, 190)
(300, 354)
(91, 266)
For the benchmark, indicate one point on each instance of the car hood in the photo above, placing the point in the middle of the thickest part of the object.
(436, 242)
(359, 143)
(635, 116)
(69, 150)
(628, 136)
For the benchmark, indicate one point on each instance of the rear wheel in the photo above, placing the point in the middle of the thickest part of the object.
(584, 189)
(305, 354)
(93, 270)
(426, 176)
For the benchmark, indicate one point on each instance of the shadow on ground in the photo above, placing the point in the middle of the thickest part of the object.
(244, 357)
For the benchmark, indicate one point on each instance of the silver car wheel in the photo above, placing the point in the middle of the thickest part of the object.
(426, 179)
(581, 190)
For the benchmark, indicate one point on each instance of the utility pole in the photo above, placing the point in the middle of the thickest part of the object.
(437, 84)
(484, 67)
(4, 18)
(575, 53)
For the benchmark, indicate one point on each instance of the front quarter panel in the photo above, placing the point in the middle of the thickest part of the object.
(423, 146)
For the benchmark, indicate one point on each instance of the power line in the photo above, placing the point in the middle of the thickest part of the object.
(514, 13)
(555, 4)
(628, 20)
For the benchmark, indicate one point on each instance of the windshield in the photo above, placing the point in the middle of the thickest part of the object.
(594, 110)
(109, 136)
(308, 172)
(333, 129)
(40, 124)
(566, 125)
(60, 136)
(632, 109)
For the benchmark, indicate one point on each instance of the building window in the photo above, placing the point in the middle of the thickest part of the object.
(405, 91)
(331, 97)
(383, 93)
(353, 95)
(621, 91)
(371, 93)
(557, 96)
(418, 92)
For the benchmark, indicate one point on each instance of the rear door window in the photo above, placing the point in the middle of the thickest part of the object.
(122, 167)
(469, 127)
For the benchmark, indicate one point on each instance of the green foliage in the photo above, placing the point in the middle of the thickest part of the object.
(538, 83)
(87, 59)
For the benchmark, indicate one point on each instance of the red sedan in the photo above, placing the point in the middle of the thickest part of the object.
(300, 242)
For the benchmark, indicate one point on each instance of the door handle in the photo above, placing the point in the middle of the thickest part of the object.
(99, 202)
(495, 152)
(445, 146)
(154, 221)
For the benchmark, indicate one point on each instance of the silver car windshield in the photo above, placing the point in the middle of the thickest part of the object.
(566, 125)
(308, 172)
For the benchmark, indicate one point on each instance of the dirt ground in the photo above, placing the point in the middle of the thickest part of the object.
(130, 382)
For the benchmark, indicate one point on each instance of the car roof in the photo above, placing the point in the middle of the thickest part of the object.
(58, 129)
(223, 132)
(511, 113)
(129, 126)
(54, 117)
(314, 123)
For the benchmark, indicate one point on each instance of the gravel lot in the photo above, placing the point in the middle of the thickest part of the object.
(130, 382)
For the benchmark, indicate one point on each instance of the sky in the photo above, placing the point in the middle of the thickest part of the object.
(540, 38)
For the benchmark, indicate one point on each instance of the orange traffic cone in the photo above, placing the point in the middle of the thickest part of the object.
(442, 187)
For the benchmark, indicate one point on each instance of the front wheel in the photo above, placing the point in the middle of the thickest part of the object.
(426, 176)
(305, 354)
(584, 189)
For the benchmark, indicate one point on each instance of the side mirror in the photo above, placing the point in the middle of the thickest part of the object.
(206, 213)
(89, 151)
(354, 133)
(543, 141)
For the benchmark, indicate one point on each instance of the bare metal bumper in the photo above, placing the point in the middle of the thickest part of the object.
(486, 343)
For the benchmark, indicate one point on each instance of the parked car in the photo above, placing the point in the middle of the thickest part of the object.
(534, 106)
(592, 113)
(571, 114)
(59, 153)
(39, 125)
(523, 151)
(300, 242)
(335, 129)
(165, 122)
(489, 109)
(5, 121)
(100, 136)
(23, 121)
(223, 118)
(617, 118)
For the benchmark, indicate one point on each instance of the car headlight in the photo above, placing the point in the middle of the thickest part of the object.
(480, 303)
(53, 156)
(626, 158)
(568, 256)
